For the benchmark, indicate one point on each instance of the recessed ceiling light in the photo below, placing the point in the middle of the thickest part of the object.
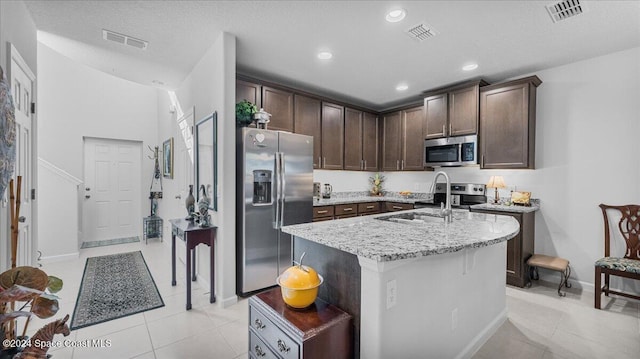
(470, 67)
(396, 15)
(325, 55)
(402, 87)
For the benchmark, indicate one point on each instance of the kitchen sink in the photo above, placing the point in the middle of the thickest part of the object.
(416, 218)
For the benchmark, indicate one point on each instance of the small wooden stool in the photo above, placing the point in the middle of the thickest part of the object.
(553, 263)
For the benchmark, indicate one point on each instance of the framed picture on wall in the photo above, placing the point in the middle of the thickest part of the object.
(167, 155)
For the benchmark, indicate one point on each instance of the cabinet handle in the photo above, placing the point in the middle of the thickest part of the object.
(397, 207)
(324, 162)
(443, 132)
(450, 129)
(397, 165)
(347, 209)
(365, 165)
(259, 351)
(319, 161)
(282, 347)
(402, 165)
(369, 207)
(321, 212)
(258, 324)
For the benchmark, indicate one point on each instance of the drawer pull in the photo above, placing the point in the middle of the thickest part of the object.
(258, 324)
(259, 351)
(369, 207)
(397, 207)
(348, 209)
(282, 347)
(323, 212)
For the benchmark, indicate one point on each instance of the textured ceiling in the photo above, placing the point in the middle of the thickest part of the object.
(279, 40)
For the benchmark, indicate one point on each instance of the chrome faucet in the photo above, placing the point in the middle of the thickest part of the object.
(446, 210)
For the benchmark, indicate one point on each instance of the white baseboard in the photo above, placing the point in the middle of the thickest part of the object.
(576, 284)
(483, 336)
(60, 258)
(226, 302)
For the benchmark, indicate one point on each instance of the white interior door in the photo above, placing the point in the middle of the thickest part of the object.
(23, 85)
(112, 189)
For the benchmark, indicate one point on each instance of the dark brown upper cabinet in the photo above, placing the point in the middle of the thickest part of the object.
(391, 141)
(249, 91)
(332, 136)
(307, 121)
(360, 140)
(436, 116)
(279, 104)
(402, 140)
(370, 142)
(508, 124)
(412, 140)
(452, 111)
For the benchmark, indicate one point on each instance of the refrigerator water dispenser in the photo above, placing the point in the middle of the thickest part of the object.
(262, 187)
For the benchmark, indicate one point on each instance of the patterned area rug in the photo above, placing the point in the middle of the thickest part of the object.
(109, 242)
(112, 287)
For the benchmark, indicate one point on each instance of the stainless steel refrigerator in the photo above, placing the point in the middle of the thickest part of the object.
(274, 188)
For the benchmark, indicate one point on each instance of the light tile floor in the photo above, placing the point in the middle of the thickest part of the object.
(540, 324)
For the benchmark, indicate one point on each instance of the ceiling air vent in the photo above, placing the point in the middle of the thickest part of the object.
(563, 10)
(421, 32)
(124, 39)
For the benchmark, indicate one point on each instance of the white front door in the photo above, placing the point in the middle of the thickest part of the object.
(112, 174)
(23, 87)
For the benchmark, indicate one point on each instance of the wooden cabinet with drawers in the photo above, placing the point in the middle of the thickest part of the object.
(368, 208)
(277, 331)
(520, 248)
(322, 213)
(397, 206)
(346, 210)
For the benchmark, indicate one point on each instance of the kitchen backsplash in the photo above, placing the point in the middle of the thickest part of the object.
(420, 182)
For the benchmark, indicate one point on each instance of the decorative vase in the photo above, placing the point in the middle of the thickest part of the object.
(203, 203)
(203, 208)
(190, 203)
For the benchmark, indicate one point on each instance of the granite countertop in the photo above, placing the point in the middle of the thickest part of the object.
(385, 241)
(502, 208)
(362, 199)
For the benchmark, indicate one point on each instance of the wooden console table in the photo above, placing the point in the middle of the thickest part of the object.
(192, 234)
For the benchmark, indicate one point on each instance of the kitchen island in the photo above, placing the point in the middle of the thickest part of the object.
(417, 287)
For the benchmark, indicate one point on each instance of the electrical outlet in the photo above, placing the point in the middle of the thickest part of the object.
(454, 319)
(392, 294)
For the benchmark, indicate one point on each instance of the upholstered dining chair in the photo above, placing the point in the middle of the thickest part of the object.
(629, 265)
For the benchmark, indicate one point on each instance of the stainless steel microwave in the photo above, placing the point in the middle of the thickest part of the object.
(451, 151)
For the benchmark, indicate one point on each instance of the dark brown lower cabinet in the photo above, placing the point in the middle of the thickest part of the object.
(277, 331)
(519, 248)
(397, 206)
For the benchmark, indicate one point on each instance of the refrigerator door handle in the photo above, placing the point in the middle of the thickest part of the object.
(283, 184)
(276, 224)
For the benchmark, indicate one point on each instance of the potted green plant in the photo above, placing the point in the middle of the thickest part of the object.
(25, 288)
(244, 113)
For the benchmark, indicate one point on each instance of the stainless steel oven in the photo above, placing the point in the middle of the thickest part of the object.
(451, 151)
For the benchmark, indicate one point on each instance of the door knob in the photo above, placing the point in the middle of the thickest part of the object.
(22, 219)
(87, 196)
(178, 197)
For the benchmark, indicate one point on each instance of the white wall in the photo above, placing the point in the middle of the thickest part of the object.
(18, 28)
(209, 87)
(586, 154)
(76, 101)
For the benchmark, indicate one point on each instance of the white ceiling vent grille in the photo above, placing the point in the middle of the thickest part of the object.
(124, 39)
(421, 31)
(563, 10)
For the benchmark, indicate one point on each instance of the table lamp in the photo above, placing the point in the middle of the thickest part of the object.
(496, 182)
